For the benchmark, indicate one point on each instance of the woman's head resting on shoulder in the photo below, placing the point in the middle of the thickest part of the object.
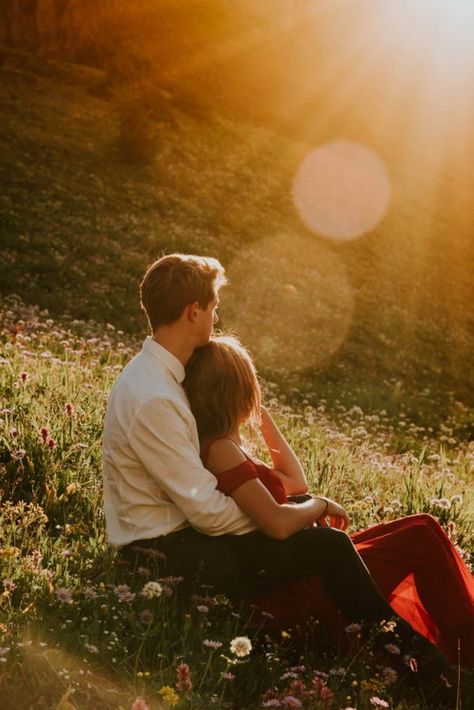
(222, 387)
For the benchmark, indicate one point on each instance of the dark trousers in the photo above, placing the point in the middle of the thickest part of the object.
(237, 565)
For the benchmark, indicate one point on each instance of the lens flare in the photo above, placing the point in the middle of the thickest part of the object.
(341, 190)
(290, 302)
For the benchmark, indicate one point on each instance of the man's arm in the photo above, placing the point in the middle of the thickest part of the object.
(160, 438)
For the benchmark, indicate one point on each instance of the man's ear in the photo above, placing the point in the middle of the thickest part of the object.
(191, 311)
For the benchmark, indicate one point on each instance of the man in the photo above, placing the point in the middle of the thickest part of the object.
(157, 493)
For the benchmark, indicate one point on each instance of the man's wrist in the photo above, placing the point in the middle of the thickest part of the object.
(326, 501)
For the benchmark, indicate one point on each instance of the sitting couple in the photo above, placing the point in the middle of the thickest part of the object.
(179, 480)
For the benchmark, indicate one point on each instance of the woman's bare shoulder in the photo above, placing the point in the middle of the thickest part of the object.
(224, 454)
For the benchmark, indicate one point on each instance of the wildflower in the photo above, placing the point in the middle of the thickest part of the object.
(64, 595)
(321, 675)
(298, 669)
(183, 674)
(89, 593)
(390, 675)
(388, 626)
(44, 433)
(169, 695)
(170, 580)
(227, 676)
(24, 376)
(442, 503)
(20, 454)
(91, 648)
(143, 571)
(241, 646)
(66, 553)
(378, 702)
(152, 590)
(289, 701)
(337, 671)
(271, 703)
(146, 617)
(288, 674)
(353, 628)
(392, 648)
(123, 593)
(51, 443)
(140, 704)
(202, 608)
(212, 644)
(9, 585)
(14, 433)
(322, 693)
(456, 500)
(297, 687)
(69, 408)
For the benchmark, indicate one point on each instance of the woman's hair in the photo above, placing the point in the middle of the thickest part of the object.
(222, 387)
(174, 281)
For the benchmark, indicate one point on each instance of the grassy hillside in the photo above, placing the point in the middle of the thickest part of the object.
(78, 226)
(79, 631)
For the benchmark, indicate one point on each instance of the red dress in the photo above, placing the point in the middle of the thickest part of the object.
(412, 561)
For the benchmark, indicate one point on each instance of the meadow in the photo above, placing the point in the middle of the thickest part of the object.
(364, 347)
(78, 630)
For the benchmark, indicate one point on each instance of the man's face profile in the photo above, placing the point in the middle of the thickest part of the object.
(207, 318)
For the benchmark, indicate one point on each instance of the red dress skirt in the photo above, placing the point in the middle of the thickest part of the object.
(412, 560)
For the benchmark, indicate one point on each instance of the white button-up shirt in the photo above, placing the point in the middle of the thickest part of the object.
(154, 480)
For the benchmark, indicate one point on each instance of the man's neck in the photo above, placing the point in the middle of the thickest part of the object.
(175, 344)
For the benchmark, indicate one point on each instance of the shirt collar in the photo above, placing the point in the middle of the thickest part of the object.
(165, 358)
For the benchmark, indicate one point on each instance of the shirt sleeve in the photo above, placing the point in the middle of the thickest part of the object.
(160, 437)
(228, 481)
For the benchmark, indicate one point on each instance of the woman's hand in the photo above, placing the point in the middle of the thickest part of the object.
(335, 516)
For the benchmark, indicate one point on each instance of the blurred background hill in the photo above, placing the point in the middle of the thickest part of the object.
(127, 128)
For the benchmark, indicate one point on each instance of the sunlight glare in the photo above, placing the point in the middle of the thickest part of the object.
(341, 190)
(442, 28)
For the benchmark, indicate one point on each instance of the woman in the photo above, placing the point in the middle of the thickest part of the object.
(412, 561)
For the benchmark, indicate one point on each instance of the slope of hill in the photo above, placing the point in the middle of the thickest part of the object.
(78, 226)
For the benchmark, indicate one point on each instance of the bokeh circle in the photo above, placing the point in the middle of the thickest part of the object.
(341, 190)
(289, 301)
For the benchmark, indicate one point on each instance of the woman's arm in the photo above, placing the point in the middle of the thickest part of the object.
(277, 521)
(285, 461)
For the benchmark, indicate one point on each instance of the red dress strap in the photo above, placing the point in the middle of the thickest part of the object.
(230, 480)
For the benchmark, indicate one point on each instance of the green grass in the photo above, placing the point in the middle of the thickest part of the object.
(73, 635)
